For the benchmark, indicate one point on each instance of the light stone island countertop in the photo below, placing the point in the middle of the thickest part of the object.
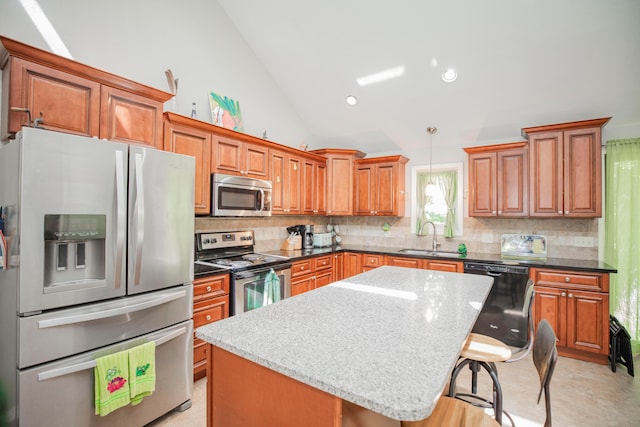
(386, 339)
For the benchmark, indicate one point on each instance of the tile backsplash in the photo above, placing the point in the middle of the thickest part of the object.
(481, 235)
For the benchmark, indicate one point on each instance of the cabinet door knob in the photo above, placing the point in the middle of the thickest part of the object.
(493, 212)
(564, 294)
(559, 212)
(570, 295)
(499, 212)
(566, 212)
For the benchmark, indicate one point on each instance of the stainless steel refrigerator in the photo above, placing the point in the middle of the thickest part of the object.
(99, 259)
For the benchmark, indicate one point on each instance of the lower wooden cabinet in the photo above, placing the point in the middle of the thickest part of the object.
(311, 273)
(443, 265)
(210, 303)
(338, 267)
(427, 264)
(371, 261)
(399, 261)
(576, 304)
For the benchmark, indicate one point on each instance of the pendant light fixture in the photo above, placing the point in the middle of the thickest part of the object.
(429, 189)
(431, 130)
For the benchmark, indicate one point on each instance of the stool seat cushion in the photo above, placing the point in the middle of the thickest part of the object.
(450, 412)
(485, 349)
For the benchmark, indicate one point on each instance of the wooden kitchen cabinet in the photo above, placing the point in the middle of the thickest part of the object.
(286, 178)
(379, 186)
(314, 187)
(565, 169)
(398, 261)
(444, 265)
(576, 304)
(371, 261)
(340, 168)
(66, 96)
(233, 155)
(311, 273)
(191, 137)
(352, 264)
(210, 303)
(338, 267)
(498, 180)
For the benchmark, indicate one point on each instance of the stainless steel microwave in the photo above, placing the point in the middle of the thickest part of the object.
(240, 196)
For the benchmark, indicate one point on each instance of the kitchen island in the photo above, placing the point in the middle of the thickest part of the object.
(379, 345)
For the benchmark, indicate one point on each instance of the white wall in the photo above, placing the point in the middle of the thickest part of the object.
(140, 39)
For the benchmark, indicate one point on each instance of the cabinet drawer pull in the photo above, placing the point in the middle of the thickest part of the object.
(208, 288)
(208, 317)
(567, 279)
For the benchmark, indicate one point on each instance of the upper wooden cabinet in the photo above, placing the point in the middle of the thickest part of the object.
(340, 168)
(379, 188)
(66, 96)
(314, 187)
(286, 178)
(193, 138)
(565, 169)
(235, 156)
(498, 176)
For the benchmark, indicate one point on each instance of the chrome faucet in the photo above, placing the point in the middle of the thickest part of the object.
(435, 243)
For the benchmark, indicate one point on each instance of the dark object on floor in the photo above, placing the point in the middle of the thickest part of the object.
(619, 346)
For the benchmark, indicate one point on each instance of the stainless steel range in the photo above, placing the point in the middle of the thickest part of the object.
(252, 285)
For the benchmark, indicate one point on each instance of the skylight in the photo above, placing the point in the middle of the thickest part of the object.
(45, 28)
(381, 76)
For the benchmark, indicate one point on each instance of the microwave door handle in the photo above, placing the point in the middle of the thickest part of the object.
(138, 231)
(261, 200)
(121, 217)
(71, 369)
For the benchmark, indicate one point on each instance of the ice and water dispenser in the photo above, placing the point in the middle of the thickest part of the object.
(74, 249)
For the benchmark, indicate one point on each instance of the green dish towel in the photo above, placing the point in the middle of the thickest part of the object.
(111, 382)
(142, 371)
(271, 288)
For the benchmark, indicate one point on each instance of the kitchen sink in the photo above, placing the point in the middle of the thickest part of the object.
(426, 252)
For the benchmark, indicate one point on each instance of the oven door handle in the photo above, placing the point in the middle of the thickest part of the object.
(245, 274)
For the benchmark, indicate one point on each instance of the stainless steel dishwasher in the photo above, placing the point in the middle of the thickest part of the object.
(501, 317)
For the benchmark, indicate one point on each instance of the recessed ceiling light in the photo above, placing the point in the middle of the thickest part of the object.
(352, 100)
(450, 75)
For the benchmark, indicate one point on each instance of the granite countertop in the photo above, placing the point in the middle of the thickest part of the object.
(386, 339)
(557, 263)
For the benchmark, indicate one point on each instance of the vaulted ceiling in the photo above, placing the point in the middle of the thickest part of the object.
(520, 62)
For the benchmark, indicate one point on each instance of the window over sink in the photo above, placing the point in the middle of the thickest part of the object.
(436, 193)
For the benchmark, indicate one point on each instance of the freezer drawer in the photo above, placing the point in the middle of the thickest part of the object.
(62, 393)
(75, 330)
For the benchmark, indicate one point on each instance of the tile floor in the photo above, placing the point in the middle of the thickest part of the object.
(582, 394)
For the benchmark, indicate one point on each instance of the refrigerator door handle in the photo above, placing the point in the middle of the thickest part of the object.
(87, 317)
(139, 223)
(66, 370)
(121, 217)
